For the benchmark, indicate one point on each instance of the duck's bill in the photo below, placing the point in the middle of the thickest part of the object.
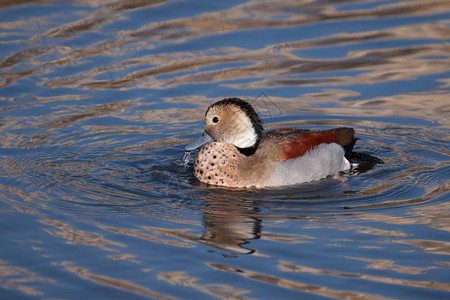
(205, 138)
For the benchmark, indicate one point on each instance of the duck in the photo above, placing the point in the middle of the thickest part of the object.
(235, 151)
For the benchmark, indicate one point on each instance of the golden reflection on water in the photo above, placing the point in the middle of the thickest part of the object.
(277, 64)
(19, 278)
(229, 225)
(376, 231)
(111, 282)
(74, 236)
(292, 267)
(220, 290)
(435, 247)
(294, 285)
(96, 111)
(387, 264)
(262, 14)
(153, 235)
(435, 216)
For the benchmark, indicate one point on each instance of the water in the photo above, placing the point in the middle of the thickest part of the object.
(99, 98)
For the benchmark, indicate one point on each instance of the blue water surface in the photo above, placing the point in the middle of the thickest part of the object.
(99, 98)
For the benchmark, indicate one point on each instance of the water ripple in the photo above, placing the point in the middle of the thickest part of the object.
(98, 99)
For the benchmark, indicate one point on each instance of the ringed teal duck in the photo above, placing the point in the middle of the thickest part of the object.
(235, 152)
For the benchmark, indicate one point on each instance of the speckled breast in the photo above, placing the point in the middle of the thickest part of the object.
(218, 164)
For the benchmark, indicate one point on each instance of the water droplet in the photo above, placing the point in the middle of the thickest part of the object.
(186, 158)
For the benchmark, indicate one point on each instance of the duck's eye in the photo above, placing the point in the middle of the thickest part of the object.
(215, 120)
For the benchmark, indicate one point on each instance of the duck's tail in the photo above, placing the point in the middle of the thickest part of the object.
(361, 161)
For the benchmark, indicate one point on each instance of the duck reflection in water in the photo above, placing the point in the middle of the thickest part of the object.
(231, 223)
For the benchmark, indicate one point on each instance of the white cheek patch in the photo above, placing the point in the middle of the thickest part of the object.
(245, 140)
(245, 135)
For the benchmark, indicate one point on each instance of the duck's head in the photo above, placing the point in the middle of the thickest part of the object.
(231, 121)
